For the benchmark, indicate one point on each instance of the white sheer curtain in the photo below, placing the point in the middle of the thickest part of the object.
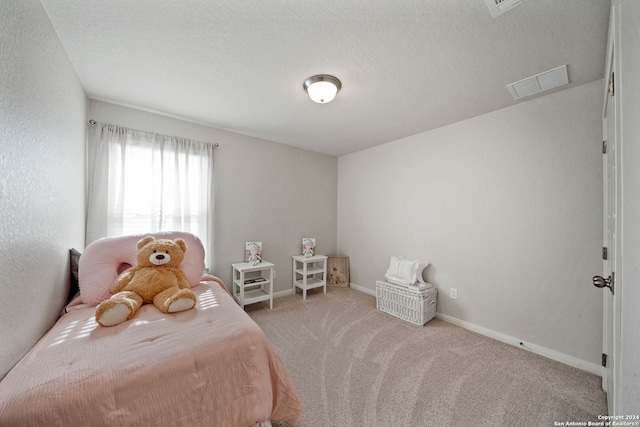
(142, 182)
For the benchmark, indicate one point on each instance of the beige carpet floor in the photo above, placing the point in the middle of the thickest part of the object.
(355, 366)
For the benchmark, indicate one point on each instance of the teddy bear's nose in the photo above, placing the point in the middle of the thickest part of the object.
(159, 259)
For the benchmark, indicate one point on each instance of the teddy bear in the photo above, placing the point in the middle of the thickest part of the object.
(157, 279)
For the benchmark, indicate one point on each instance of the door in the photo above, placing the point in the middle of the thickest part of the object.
(609, 282)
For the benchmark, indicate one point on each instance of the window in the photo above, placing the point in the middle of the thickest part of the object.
(141, 182)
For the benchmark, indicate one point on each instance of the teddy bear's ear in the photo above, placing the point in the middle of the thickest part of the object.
(142, 242)
(182, 244)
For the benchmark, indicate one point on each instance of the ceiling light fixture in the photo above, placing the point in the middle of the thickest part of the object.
(322, 88)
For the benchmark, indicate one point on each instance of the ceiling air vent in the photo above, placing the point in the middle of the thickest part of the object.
(498, 7)
(539, 83)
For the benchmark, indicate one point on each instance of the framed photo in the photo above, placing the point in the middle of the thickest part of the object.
(253, 252)
(338, 271)
(309, 246)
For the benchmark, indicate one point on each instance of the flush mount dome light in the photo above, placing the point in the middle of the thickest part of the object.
(322, 88)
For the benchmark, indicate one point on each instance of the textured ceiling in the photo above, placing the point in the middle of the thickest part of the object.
(406, 66)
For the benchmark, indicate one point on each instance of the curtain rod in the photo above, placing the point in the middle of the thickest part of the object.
(93, 122)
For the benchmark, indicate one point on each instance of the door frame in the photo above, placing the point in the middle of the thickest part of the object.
(611, 128)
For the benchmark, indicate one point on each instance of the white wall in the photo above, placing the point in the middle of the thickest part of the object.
(265, 191)
(506, 206)
(42, 140)
(628, 88)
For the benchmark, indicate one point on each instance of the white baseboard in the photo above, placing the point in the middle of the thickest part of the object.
(283, 293)
(363, 290)
(542, 351)
(356, 287)
(537, 349)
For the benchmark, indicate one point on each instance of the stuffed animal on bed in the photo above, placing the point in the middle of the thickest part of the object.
(157, 279)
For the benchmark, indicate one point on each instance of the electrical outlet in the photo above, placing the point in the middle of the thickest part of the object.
(453, 293)
(274, 274)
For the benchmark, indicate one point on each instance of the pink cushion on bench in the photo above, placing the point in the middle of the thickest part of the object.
(103, 260)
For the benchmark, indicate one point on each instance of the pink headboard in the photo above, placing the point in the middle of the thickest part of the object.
(103, 260)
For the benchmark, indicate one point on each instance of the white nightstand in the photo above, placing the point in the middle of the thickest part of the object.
(309, 273)
(252, 283)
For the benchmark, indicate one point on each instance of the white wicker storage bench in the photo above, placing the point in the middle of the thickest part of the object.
(407, 303)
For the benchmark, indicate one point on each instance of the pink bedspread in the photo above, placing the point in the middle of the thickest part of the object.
(211, 366)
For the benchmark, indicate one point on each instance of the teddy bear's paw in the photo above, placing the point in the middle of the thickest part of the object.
(115, 315)
(181, 304)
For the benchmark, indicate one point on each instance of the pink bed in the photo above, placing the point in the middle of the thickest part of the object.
(209, 366)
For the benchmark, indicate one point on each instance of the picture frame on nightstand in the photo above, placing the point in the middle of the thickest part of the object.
(253, 252)
(309, 246)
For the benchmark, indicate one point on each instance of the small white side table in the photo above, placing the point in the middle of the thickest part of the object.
(253, 283)
(309, 273)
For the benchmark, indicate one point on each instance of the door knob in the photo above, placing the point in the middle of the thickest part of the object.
(601, 282)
